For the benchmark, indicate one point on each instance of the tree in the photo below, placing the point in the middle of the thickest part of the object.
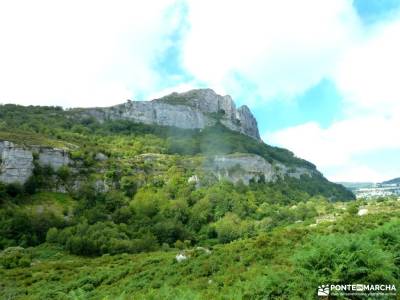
(228, 228)
(129, 186)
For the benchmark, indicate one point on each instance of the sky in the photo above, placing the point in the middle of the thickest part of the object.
(321, 77)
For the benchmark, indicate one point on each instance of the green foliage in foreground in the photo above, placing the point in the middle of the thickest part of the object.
(287, 263)
(14, 257)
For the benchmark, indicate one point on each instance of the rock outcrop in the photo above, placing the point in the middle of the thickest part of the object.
(16, 162)
(195, 109)
(55, 158)
(247, 167)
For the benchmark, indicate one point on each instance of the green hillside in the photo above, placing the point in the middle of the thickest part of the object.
(287, 262)
(111, 224)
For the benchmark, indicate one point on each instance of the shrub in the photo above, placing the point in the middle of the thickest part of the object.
(14, 189)
(14, 257)
(64, 173)
(344, 259)
(99, 239)
(52, 235)
(228, 228)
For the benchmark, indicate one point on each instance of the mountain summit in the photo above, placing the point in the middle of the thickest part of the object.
(195, 109)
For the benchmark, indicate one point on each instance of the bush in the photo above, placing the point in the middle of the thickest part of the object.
(17, 227)
(99, 239)
(14, 189)
(344, 259)
(228, 228)
(52, 235)
(14, 257)
(64, 173)
(3, 192)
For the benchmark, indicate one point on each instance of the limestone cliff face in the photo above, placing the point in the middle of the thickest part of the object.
(246, 167)
(55, 158)
(16, 162)
(195, 109)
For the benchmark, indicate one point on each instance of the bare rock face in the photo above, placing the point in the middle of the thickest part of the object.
(248, 123)
(246, 167)
(16, 162)
(195, 109)
(53, 157)
(152, 112)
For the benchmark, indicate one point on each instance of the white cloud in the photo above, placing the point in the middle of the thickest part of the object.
(80, 53)
(368, 74)
(180, 88)
(367, 77)
(335, 148)
(339, 143)
(358, 172)
(280, 47)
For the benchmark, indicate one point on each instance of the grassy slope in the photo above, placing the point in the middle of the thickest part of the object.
(264, 266)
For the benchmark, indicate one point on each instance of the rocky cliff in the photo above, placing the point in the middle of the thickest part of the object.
(17, 162)
(195, 109)
(246, 167)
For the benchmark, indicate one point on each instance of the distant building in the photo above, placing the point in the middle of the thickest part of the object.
(381, 190)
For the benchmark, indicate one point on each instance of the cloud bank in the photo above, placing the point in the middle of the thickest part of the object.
(281, 48)
(367, 77)
(80, 53)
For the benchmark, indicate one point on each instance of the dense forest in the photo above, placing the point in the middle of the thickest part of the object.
(112, 224)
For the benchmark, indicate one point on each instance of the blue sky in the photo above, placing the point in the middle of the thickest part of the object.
(372, 11)
(321, 77)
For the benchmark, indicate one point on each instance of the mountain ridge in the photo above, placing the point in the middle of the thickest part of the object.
(195, 109)
(75, 138)
(392, 181)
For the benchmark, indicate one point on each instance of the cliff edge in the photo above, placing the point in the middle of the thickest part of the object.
(195, 109)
